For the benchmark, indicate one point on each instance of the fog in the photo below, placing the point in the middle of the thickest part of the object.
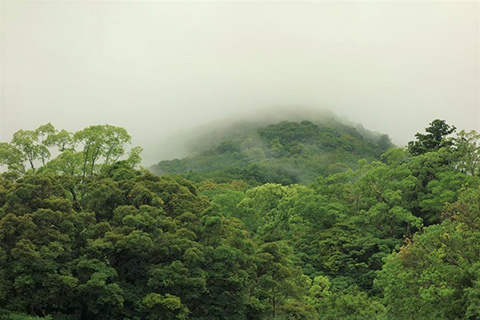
(160, 69)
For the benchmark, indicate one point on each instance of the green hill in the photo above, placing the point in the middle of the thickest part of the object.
(286, 152)
(87, 237)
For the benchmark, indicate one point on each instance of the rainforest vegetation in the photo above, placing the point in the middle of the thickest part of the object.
(286, 153)
(295, 220)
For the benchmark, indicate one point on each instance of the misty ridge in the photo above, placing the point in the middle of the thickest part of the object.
(289, 146)
(186, 141)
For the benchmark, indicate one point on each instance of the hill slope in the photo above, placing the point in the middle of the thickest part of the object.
(286, 152)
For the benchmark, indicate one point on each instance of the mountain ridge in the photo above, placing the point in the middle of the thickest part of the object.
(296, 152)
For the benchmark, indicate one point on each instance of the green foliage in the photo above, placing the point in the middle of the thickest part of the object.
(434, 139)
(101, 145)
(89, 264)
(284, 153)
(140, 247)
(7, 315)
(435, 275)
(349, 304)
(12, 157)
(468, 146)
(87, 236)
(165, 307)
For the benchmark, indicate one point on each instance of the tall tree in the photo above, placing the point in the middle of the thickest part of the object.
(436, 275)
(101, 141)
(43, 134)
(12, 157)
(435, 138)
(468, 148)
(25, 141)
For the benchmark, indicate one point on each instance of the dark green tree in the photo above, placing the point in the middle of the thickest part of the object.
(435, 138)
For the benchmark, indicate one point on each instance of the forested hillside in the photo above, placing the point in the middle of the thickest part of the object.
(376, 234)
(287, 152)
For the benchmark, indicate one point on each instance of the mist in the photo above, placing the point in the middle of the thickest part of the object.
(166, 71)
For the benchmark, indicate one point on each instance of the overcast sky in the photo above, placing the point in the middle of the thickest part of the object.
(157, 68)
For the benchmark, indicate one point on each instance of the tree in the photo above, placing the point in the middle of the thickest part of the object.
(25, 141)
(260, 205)
(102, 141)
(43, 136)
(279, 285)
(435, 138)
(384, 142)
(101, 144)
(468, 148)
(12, 157)
(337, 304)
(100, 297)
(62, 139)
(33, 144)
(92, 141)
(436, 275)
(166, 307)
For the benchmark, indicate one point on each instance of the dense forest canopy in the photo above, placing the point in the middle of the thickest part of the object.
(295, 220)
(286, 152)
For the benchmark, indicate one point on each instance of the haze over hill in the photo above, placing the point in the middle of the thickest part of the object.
(285, 152)
(156, 68)
(185, 141)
